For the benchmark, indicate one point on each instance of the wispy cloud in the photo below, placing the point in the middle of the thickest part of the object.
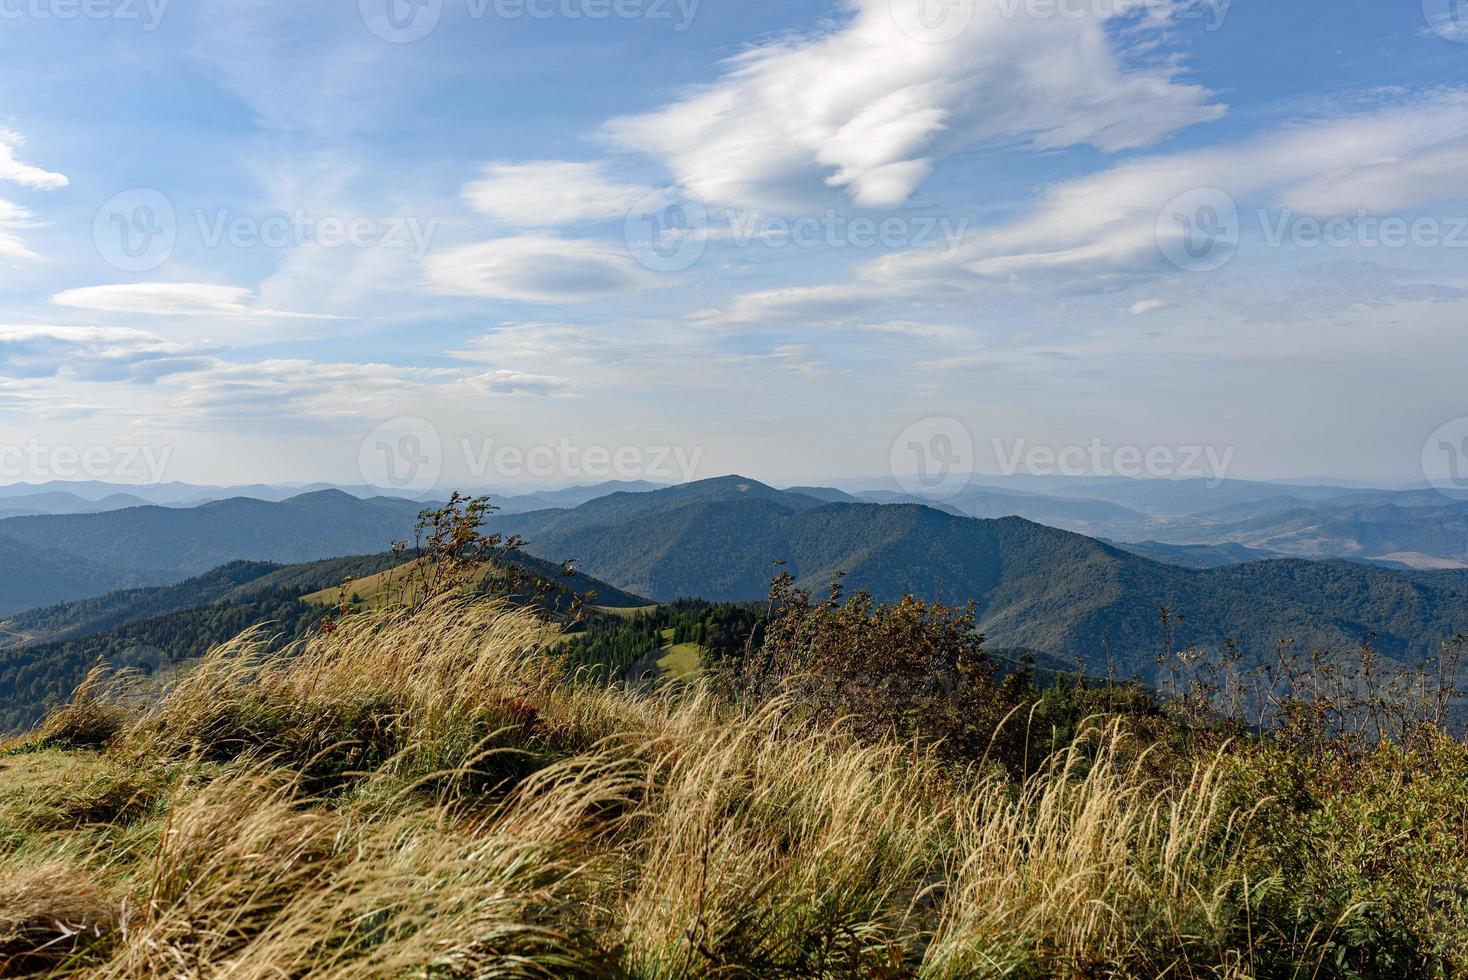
(19, 172)
(13, 217)
(1105, 231)
(536, 269)
(173, 299)
(552, 192)
(94, 354)
(870, 109)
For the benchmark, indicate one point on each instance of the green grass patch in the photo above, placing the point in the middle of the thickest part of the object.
(682, 661)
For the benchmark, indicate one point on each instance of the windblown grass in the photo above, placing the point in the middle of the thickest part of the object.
(424, 795)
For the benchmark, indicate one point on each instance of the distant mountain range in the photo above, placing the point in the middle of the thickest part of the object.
(1036, 587)
(86, 550)
(35, 575)
(187, 541)
(90, 496)
(61, 502)
(1420, 528)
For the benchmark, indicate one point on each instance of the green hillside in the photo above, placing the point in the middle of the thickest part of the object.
(193, 540)
(1037, 587)
(45, 653)
(34, 574)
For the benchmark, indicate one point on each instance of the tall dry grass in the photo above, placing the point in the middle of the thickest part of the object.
(423, 794)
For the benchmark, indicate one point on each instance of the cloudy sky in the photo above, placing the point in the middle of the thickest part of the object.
(267, 240)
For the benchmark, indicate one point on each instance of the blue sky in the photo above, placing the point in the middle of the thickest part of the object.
(265, 239)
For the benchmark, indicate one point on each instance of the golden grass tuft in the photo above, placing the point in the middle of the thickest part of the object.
(423, 794)
(50, 912)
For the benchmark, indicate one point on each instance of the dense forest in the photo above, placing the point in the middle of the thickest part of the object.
(624, 649)
(37, 677)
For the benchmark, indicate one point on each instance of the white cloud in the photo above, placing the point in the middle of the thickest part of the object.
(551, 192)
(536, 269)
(797, 359)
(1145, 306)
(14, 218)
(22, 173)
(868, 108)
(510, 382)
(1100, 232)
(537, 342)
(172, 299)
(93, 353)
(1103, 229)
(910, 328)
(1405, 176)
(833, 305)
(311, 391)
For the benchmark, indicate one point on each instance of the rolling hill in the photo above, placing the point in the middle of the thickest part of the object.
(45, 653)
(1359, 529)
(33, 575)
(189, 541)
(1036, 587)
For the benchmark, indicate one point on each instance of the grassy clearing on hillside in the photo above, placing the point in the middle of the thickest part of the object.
(625, 612)
(681, 661)
(422, 794)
